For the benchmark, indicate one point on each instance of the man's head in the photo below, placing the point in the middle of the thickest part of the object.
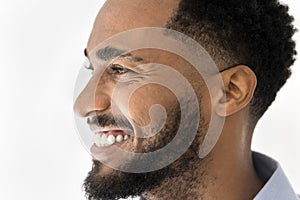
(250, 42)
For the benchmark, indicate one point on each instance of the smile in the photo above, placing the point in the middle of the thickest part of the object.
(109, 137)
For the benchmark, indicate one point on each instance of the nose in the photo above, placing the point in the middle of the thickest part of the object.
(94, 98)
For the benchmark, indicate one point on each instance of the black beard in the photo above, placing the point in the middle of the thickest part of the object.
(123, 185)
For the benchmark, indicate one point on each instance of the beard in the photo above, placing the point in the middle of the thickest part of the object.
(120, 184)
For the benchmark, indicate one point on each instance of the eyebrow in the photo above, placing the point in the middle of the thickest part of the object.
(109, 53)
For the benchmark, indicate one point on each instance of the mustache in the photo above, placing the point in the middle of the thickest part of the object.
(106, 120)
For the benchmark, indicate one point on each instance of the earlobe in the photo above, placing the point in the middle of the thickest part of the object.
(239, 86)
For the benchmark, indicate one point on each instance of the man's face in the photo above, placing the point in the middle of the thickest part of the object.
(116, 119)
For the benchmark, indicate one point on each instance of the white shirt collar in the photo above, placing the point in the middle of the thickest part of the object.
(277, 185)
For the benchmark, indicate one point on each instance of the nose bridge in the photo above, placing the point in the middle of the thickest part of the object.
(94, 97)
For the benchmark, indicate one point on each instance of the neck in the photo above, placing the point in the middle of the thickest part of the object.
(227, 173)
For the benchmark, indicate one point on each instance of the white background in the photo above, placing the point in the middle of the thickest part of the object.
(41, 50)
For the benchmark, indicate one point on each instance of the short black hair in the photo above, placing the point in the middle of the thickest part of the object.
(256, 33)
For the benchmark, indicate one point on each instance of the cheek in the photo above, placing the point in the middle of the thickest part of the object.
(145, 97)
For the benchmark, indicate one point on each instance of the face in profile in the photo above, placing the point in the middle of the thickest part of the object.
(133, 103)
(120, 104)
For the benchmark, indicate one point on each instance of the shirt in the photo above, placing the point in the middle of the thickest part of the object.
(277, 185)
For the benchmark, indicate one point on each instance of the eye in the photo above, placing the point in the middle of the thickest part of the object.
(118, 69)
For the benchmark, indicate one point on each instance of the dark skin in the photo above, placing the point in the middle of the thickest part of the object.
(227, 172)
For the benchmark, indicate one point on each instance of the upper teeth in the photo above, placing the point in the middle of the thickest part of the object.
(119, 138)
(101, 140)
(111, 140)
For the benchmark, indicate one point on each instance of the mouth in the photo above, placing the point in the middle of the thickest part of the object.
(109, 137)
(106, 139)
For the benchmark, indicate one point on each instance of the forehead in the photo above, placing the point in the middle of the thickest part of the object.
(120, 15)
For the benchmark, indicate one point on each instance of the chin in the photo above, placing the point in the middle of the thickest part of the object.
(106, 183)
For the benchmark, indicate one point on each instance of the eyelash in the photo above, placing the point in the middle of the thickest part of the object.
(118, 69)
(115, 69)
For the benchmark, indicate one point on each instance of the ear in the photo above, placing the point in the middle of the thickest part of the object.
(239, 86)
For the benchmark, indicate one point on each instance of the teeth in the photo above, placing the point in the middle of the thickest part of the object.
(97, 139)
(101, 140)
(126, 137)
(111, 139)
(119, 138)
